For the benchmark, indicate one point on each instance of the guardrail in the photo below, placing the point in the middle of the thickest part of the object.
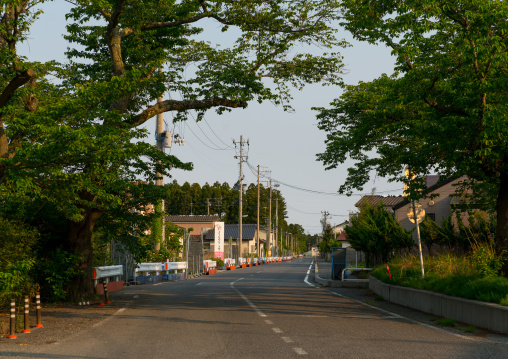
(354, 269)
(110, 275)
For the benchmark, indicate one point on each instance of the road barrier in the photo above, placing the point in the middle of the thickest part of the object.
(354, 269)
(230, 263)
(112, 275)
(209, 267)
(146, 270)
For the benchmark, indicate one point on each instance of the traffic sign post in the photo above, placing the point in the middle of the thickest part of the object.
(416, 214)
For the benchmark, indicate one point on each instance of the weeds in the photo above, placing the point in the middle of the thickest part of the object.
(450, 274)
(446, 322)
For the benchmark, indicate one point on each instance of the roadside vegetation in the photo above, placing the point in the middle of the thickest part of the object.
(451, 274)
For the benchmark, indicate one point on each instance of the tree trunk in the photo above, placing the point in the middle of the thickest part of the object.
(502, 220)
(79, 241)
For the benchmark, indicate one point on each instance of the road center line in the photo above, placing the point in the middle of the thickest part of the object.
(247, 300)
(277, 330)
(268, 321)
(287, 339)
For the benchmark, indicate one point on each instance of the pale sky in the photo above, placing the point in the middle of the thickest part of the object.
(285, 143)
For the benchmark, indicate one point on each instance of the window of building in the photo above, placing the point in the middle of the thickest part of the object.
(431, 216)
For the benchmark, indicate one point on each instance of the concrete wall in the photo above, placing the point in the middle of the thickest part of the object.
(481, 314)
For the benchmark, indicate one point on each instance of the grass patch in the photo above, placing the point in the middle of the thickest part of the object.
(448, 274)
(469, 329)
(446, 322)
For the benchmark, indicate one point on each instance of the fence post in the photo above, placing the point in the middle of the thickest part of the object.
(38, 310)
(13, 320)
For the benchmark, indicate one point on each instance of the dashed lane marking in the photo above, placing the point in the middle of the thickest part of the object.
(277, 330)
(300, 351)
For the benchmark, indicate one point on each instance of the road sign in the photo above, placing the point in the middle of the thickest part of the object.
(420, 213)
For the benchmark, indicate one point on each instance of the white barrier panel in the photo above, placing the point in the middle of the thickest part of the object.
(229, 261)
(242, 261)
(108, 271)
(174, 265)
(149, 267)
(209, 264)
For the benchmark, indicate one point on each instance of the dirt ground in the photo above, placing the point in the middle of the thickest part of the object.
(59, 320)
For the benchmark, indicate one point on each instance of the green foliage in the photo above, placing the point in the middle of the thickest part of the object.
(15, 281)
(377, 233)
(220, 262)
(447, 322)
(68, 132)
(486, 260)
(57, 270)
(444, 108)
(17, 253)
(222, 198)
(478, 232)
(450, 274)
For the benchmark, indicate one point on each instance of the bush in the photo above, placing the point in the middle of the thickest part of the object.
(220, 262)
(17, 241)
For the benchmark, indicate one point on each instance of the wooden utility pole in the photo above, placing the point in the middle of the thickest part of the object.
(257, 224)
(270, 219)
(160, 176)
(240, 193)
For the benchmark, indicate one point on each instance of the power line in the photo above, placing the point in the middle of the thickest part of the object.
(215, 149)
(316, 191)
(211, 129)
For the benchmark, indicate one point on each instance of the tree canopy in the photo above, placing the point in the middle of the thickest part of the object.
(69, 132)
(444, 109)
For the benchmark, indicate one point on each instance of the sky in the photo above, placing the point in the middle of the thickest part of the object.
(284, 143)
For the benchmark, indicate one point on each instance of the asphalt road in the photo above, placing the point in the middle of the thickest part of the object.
(269, 311)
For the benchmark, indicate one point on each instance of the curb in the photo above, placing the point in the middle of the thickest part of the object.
(482, 314)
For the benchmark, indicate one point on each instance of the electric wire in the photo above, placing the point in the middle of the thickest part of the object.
(211, 129)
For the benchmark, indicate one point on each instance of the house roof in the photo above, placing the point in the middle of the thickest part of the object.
(193, 218)
(231, 230)
(342, 236)
(388, 201)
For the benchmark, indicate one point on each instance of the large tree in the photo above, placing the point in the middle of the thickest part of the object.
(445, 107)
(75, 141)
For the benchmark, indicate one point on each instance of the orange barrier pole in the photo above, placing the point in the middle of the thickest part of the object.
(13, 320)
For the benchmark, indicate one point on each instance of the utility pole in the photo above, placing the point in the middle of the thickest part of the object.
(164, 139)
(270, 218)
(277, 227)
(240, 189)
(324, 221)
(258, 249)
(160, 177)
(208, 206)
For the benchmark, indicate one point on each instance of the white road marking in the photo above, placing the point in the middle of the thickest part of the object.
(287, 339)
(300, 351)
(394, 315)
(277, 330)
(120, 311)
(253, 306)
(306, 280)
(157, 283)
(268, 321)
(136, 296)
(199, 283)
